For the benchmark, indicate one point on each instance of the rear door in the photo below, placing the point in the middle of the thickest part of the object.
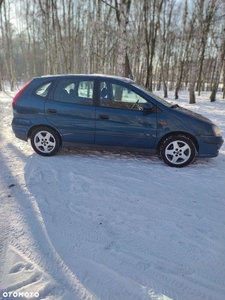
(70, 109)
(121, 119)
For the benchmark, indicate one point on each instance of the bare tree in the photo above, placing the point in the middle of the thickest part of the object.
(122, 14)
(219, 62)
(195, 48)
(164, 33)
(7, 42)
(223, 81)
(151, 27)
(158, 42)
(1, 2)
(122, 9)
(183, 47)
(1, 87)
(206, 23)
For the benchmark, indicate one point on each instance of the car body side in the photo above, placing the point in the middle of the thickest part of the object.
(31, 113)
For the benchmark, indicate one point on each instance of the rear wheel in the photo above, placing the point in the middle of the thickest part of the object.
(45, 141)
(178, 151)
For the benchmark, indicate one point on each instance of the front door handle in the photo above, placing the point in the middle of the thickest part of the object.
(103, 117)
(52, 111)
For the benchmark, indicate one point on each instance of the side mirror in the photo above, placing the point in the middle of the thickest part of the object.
(148, 107)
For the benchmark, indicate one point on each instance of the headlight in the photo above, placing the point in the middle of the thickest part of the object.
(216, 130)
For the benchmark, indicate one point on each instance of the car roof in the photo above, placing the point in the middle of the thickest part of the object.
(125, 79)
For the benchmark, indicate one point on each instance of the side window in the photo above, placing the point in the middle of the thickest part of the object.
(106, 96)
(64, 90)
(85, 92)
(42, 90)
(74, 91)
(117, 96)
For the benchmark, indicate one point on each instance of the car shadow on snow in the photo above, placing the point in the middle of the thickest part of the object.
(46, 198)
(136, 156)
(26, 216)
(64, 188)
(111, 154)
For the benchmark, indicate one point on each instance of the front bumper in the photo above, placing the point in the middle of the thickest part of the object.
(209, 146)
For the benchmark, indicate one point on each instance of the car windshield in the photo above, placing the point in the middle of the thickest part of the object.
(154, 96)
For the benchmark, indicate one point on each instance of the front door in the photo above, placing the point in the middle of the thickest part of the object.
(121, 119)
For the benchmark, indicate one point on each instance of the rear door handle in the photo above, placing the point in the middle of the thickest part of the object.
(103, 117)
(52, 111)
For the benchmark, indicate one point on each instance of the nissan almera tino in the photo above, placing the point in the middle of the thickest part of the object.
(109, 112)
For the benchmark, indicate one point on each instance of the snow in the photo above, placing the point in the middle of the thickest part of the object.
(88, 224)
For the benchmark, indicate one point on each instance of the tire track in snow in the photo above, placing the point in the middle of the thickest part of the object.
(117, 218)
(81, 187)
(94, 216)
(23, 276)
(40, 250)
(25, 222)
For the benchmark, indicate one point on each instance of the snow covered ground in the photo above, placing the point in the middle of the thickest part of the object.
(108, 225)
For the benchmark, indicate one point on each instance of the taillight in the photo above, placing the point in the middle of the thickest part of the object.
(15, 98)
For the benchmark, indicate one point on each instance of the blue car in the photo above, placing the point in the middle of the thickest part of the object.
(109, 112)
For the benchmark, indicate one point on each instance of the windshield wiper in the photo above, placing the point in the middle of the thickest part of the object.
(174, 106)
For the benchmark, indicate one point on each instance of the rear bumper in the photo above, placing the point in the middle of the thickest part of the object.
(209, 146)
(21, 128)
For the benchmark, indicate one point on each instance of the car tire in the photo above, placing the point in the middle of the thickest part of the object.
(45, 141)
(178, 151)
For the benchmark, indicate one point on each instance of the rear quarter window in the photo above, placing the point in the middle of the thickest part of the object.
(43, 89)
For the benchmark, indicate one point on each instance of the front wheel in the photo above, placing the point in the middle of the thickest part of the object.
(45, 141)
(178, 151)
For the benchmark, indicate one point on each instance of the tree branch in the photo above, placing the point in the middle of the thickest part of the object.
(110, 5)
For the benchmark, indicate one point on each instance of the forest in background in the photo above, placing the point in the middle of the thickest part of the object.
(161, 44)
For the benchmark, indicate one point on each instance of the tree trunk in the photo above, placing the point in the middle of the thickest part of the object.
(219, 64)
(210, 11)
(151, 28)
(9, 47)
(1, 88)
(128, 72)
(196, 46)
(223, 81)
(182, 52)
(122, 10)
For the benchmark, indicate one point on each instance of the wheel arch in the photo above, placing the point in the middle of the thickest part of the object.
(177, 133)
